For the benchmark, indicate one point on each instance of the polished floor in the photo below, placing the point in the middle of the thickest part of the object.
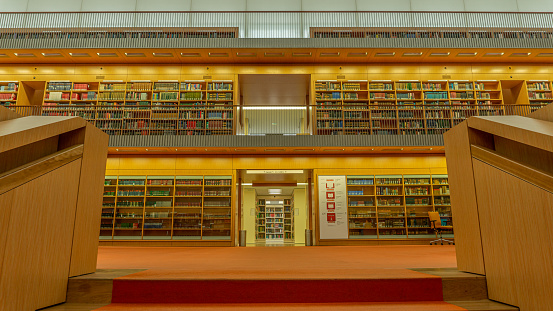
(278, 258)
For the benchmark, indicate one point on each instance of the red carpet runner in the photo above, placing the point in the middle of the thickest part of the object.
(277, 286)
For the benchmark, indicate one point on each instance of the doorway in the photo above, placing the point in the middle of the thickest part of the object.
(274, 206)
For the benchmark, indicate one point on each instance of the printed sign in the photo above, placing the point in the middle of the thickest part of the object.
(333, 209)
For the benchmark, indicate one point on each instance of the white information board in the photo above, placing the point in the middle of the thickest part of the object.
(333, 209)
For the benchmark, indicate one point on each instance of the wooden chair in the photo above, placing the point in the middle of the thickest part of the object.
(436, 224)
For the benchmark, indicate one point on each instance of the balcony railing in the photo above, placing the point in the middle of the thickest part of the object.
(273, 120)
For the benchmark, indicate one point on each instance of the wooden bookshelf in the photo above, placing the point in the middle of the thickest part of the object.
(161, 208)
(8, 93)
(405, 107)
(147, 108)
(539, 94)
(396, 206)
(274, 221)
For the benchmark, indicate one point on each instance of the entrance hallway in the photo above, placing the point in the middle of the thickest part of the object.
(278, 258)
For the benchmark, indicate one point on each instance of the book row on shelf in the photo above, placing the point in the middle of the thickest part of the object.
(274, 220)
(166, 207)
(396, 206)
(388, 86)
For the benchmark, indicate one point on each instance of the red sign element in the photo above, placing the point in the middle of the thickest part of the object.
(331, 205)
(330, 195)
(331, 217)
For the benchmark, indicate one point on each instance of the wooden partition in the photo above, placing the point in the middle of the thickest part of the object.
(51, 172)
(501, 178)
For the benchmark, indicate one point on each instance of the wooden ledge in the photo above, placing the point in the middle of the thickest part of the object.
(25, 173)
(532, 175)
(23, 131)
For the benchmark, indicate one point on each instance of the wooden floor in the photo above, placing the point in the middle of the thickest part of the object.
(278, 258)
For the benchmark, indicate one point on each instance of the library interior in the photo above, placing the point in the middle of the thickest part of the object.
(261, 155)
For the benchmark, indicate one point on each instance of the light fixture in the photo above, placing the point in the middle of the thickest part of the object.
(412, 54)
(246, 54)
(439, 54)
(329, 54)
(385, 54)
(520, 54)
(185, 150)
(79, 54)
(244, 150)
(135, 54)
(467, 54)
(357, 54)
(3, 55)
(494, 54)
(545, 55)
(24, 54)
(51, 54)
(107, 54)
(273, 150)
(215, 54)
(163, 54)
(190, 54)
(301, 54)
(274, 191)
(274, 54)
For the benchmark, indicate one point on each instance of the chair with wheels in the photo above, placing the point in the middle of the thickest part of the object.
(436, 224)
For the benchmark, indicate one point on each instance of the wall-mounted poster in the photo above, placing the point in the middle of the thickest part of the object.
(333, 208)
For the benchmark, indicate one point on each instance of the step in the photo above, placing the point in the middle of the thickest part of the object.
(273, 286)
(480, 305)
(97, 287)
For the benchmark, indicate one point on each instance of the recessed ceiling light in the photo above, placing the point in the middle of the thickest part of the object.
(385, 54)
(163, 54)
(185, 150)
(520, 54)
(275, 191)
(329, 54)
(24, 54)
(135, 54)
(539, 55)
(411, 54)
(51, 54)
(465, 54)
(275, 150)
(79, 54)
(244, 150)
(493, 54)
(301, 54)
(357, 54)
(439, 54)
(274, 54)
(190, 54)
(107, 54)
(216, 54)
(246, 54)
(3, 55)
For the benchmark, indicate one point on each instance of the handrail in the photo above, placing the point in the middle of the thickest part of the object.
(29, 171)
(525, 172)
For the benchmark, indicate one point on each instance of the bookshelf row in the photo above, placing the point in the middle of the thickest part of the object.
(387, 107)
(339, 107)
(167, 208)
(348, 32)
(315, 32)
(274, 220)
(396, 206)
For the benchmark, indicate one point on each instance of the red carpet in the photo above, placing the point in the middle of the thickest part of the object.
(269, 286)
(374, 306)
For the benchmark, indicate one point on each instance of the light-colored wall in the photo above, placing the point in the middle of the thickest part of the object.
(248, 220)
(271, 5)
(300, 220)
